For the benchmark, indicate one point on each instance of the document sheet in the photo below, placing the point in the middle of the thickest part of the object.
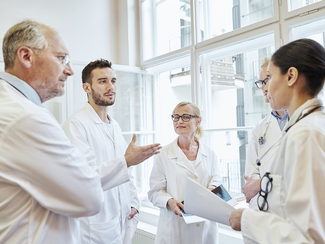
(203, 203)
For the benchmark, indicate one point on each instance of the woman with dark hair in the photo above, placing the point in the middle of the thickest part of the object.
(291, 199)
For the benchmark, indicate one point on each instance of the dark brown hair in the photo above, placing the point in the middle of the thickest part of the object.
(86, 72)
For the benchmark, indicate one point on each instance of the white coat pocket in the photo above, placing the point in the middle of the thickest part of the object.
(106, 232)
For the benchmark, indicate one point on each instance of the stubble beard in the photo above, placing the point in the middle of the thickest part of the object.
(99, 101)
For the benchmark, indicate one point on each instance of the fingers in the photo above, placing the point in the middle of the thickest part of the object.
(134, 139)
(134, 211)
(246, 177)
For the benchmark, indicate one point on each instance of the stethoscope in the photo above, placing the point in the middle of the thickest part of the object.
(261, 140)
(258, 161)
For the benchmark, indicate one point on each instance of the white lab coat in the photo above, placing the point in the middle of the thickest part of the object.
(45, 182)
(168, 180)
(256, 151)
(87, 131)
(296, 202)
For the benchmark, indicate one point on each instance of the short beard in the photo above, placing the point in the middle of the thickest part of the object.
(99, 101)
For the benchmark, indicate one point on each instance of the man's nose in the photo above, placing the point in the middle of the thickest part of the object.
(68, 70)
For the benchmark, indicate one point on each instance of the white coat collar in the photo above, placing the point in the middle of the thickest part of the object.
(174, 153)
(303, 109)
(92, 113)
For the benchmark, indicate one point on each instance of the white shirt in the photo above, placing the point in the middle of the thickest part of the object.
(168, 180)
(103, 144)
(296, 211)
(45, 182)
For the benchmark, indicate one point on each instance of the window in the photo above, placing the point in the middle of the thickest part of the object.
(218, 17)
(166, 26)
(295, 4)
(134, 111)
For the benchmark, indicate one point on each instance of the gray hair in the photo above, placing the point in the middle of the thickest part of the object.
(199, 130)
(27, 33)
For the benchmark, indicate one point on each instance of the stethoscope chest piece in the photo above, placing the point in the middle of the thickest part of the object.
(261, 140)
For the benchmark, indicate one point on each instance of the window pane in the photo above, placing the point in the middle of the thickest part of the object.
(295, 4)
(218, 16)
(174, 87)
(134, 112)
(232, 100)
(166, 26)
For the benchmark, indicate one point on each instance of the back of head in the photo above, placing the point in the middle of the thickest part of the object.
(86, 72)
(27, 33)
(308, 57)
(199, 130)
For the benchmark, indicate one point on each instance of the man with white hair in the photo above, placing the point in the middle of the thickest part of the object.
(264, 135)
(45, 182)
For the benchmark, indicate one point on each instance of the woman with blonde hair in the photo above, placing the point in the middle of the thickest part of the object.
(184, 157)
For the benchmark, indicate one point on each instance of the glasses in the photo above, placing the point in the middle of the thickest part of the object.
(260, 83)
(262, 198)
(64, 58)
(185, 117)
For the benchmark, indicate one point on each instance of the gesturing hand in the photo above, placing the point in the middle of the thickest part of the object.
(137, 154)
(251, 188)
(175, 205)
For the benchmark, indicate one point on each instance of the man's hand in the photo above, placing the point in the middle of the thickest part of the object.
(235, 219)
(251, 188)
(175, 205)
(134, 211)
(137, 154)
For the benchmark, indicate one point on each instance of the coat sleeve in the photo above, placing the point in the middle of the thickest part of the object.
(38, 157)
(113, 172)
(158, 183)
(251, 169)
(303, 206)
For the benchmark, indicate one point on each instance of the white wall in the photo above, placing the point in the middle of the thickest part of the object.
(89, 28)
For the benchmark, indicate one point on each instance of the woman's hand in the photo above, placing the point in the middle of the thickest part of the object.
(235, 219)
(175, 205)
(211, 187)
(251, 188)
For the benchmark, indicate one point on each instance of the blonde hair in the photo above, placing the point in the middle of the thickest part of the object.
(199, 130)
(26, 33)
(265, 62)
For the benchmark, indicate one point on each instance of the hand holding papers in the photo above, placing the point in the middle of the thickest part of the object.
(202, 202)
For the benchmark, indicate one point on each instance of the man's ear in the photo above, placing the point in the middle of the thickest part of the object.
(25, 56)
(292, 76)
(87, 87)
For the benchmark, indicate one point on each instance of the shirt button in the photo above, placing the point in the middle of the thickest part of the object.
(197, 225)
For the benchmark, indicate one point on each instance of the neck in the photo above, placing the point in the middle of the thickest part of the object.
(186, 141)
(296, 101)
(281, 113)
(100, 110)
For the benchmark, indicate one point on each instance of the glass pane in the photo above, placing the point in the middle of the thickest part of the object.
(218, 16)
(295, 4)
(174, 87)
(166, 26)
(134, 104)
(233, 101)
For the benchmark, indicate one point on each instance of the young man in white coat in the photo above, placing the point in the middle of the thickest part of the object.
(100, 138)
(45, 181)
(261, 146)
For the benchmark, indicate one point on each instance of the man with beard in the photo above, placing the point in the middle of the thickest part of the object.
(100, 138)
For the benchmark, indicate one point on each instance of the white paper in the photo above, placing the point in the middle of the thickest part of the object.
(191, 219)
(202, 202)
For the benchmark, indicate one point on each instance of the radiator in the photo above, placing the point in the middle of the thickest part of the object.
(143, 237)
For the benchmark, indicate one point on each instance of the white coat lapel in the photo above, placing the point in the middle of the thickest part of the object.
(176, 154)
(274, 127)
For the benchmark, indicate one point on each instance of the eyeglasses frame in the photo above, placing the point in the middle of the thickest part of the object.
(181, 116)
(264, 194)
(261, 82)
